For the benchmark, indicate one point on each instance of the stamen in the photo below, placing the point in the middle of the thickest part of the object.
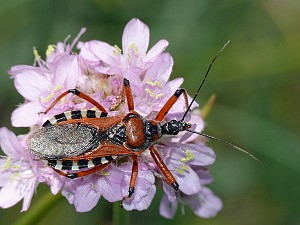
(159, 95)
(48, 97)
(150, 82)
(94, 187)
(57, 87)
(16, 167)
(189, 156)
(182, 169)
(150, 92)
(36, 54)
(6, 165)
(117, 50)
(157, 83)
(50, 50)
(134, 47)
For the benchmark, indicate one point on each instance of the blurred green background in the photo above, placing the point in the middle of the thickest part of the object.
(256, 80)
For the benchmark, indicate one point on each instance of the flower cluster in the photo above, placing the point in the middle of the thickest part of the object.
(98, 69)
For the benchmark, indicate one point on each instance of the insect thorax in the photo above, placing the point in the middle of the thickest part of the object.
(134, 132)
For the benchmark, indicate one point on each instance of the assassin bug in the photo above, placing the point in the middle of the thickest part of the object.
(87, 141)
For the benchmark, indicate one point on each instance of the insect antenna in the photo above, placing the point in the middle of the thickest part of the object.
(209, 136)
(229, 144)
(197, 92)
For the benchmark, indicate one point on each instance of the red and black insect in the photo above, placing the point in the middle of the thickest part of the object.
(89, 140)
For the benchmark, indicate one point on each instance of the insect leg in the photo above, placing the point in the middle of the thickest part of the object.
(171, 101)
(170, 179)
(82, 173)
(128, 93)
(133, 177)
(80, 95)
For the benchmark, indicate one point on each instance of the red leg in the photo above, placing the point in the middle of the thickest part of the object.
(134, 175)
(82, 173)
(163, 168)
(128, 93)
(80, 95)
(171, 101)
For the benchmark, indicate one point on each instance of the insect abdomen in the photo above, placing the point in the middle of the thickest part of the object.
(71, 115)
(78, 164)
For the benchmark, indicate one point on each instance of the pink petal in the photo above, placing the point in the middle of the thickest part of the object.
(53, 179)
(110, 185)
(5, 174)
(137, 33)
(144, 191)
(161, 69)
(86, 53)
(102, 52)
(26, 115)
(204, 175)
(9, 194)
(189, 182)
(175, 84)
(29, 194)
(169, 192)
(203, 155)
(86, 196)
(15, 190)
(22, 68)
(10, 144)
(31, 84)
(67, 71)
(205, 204)
(167, 209)
(156, 50)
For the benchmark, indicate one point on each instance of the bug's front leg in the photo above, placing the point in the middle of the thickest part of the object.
(171, 101)
(169, 178)
(80, 95)
(128, 93)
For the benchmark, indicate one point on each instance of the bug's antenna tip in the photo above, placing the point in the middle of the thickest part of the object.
(231, 145)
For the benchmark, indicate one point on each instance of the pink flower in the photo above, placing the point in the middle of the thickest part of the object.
(132, 62)
(41, 84)
(98, 71)
(18, 177)
(204, 204)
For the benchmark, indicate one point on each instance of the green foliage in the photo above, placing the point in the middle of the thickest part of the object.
(256, 80)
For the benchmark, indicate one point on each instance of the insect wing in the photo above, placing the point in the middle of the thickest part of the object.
(103, 151)
(64, 140)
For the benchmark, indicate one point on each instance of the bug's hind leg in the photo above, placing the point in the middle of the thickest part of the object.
(80, 95)
(133, 178)
(81, 173)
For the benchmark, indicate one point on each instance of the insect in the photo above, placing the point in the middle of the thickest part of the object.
(82, 142)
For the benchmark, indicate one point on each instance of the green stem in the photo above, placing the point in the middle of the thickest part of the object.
(39, 210)
(120, 215)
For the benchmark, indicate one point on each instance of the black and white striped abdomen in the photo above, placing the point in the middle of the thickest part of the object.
(78, 164)
(76, 114)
